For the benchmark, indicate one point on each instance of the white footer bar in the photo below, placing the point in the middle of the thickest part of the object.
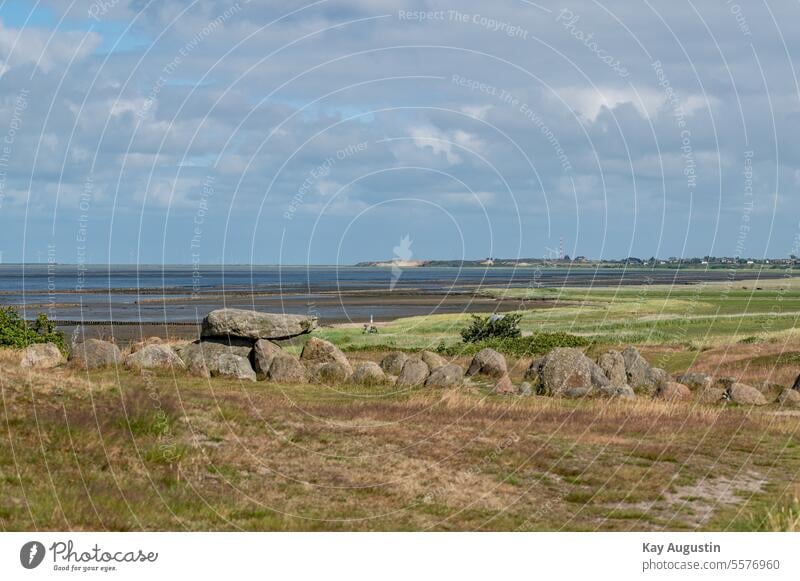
(388, 556)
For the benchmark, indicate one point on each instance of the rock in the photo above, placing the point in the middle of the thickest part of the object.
(432, 360)
(203, 357)
(42, 356)
(746, 395)
(235, 367)
(770, 391)
(673, 391)
(488, 362)
(94, 353)
(255, 325)
(616, 392)
(575, 392)
(287, 369)
(504, 386)
(414, 372)
(599, 378)
(724, 382)
(369, 373)
(656, 377)
(695, 381)
(393, 362)
(711, 395)
(789, 397)
(264, 353)
(317, 351)
(329, 373)
(450, 375)
(154, 356)
(525, 389)
(149, 341)
(565, 369)
(534, 370)
(613, 365)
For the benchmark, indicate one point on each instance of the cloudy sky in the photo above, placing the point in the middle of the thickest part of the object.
(325, 132)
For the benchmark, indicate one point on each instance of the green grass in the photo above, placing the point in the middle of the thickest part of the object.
(689, 315)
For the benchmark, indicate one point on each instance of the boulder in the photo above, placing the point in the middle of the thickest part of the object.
(575, 392)
(724, 382)
(235, 367)
(789, 398)
(393, 362)
(616, 392)
(154, 356)
(42, 356)
(450, 375)
(613, 365)
(657, 376)
(149, 341)
(317, 351)
(432, 360)
(488, 362)
(771, 391)
(534, 370)
(287, 369)
(414, 372)
(525, 389)
(599, 378)
(255, 325)
(369, 373)
(565, 369)
(329, 373)
(503, 386)
(94, 353)
(746, 395)
(695, 381)
(712, 395)
(637, 369)
(673, 391)
(203, 357)
(264, 352)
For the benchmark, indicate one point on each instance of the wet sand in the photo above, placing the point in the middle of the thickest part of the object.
(353, 307)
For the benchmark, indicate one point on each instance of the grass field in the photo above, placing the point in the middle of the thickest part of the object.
(158, 454)
(691, 316)
(119, 450)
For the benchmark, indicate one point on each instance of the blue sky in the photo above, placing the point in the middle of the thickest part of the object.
(325, 132)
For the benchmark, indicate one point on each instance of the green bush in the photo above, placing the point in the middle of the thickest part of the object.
(492, 327)
(16, 332)
(536, 344)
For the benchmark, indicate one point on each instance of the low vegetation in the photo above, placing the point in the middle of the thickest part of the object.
(118, 450)
(528, 346)
(492, 327)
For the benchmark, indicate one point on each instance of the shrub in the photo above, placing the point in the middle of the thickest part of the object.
(492, 327)
(536, 344)
(16, 332)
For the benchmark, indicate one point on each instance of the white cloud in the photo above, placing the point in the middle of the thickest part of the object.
(590, 102)
(44, 48)
(446, 142)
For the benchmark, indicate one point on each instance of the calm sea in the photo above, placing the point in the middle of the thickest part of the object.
(184, 293)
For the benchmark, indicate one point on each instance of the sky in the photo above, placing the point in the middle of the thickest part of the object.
(333, 132)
